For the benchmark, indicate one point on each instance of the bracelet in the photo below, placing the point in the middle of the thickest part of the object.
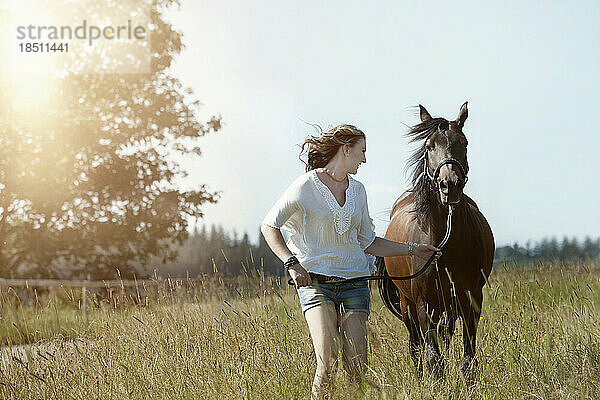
(290, 261)
(411, 249)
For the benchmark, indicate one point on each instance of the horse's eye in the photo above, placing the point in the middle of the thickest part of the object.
(429, 147)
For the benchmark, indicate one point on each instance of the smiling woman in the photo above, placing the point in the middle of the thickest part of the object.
(332, 239)
(321, 149)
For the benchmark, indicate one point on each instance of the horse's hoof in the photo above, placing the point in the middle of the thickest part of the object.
(469, 370)
(436, 366)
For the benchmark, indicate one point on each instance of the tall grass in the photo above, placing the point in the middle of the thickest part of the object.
(539, 337)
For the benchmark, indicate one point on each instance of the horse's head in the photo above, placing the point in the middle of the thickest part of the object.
(444, 154)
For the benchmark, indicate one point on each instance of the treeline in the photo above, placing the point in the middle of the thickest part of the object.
(550, 251)
(210, 251)
(213, 251)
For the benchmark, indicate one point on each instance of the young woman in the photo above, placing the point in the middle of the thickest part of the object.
(326, 215)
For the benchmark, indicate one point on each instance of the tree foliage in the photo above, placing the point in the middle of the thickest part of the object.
(88, 179)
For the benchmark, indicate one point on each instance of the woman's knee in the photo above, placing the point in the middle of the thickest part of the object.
(354, 336)
(322, 323)
(354, 326)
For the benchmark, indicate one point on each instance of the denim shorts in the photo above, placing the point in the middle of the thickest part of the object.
(352, 296)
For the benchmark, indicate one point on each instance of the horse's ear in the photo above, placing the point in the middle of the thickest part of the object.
(462, 115)
(424, 114)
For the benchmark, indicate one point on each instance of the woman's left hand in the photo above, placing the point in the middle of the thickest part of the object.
(424, 251)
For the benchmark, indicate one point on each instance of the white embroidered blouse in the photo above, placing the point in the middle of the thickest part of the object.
(327, 238)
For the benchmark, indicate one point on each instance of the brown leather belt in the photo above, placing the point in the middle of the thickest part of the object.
(324, 278)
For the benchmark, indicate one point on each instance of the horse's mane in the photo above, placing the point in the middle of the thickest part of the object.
(420, 182)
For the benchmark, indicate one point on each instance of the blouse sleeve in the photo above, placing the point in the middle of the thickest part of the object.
(366, 231)
(284, 208)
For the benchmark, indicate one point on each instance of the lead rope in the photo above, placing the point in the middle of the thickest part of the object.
(406, 277)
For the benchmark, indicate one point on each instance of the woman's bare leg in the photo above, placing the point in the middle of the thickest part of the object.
(323, 326)
(354, 342)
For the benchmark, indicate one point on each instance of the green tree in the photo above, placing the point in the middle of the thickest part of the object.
(590, 249)
(88, 184)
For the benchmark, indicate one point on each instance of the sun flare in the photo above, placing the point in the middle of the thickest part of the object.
(27, 76)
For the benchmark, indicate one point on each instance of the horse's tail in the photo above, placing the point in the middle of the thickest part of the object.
(387, 290)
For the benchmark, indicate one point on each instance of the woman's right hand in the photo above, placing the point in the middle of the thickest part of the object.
(299, 275)
(424, 251)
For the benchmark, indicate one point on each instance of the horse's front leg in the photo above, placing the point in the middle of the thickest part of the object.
(447, 328)
(428, 321)
(471, 306)
(411, 320)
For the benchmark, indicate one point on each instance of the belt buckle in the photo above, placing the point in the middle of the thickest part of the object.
(324, 278)
(333, 280)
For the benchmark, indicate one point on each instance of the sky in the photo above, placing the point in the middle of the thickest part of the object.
(529, 70)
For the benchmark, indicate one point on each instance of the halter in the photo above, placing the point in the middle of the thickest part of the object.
(464, 171)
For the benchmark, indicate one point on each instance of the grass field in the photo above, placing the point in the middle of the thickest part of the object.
(539, 338)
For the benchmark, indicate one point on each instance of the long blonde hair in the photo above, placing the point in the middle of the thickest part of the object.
(321, 149)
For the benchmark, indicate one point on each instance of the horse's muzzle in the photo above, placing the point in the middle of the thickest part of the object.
(450, 191)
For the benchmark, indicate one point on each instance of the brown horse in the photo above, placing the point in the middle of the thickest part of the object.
(430, 304)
